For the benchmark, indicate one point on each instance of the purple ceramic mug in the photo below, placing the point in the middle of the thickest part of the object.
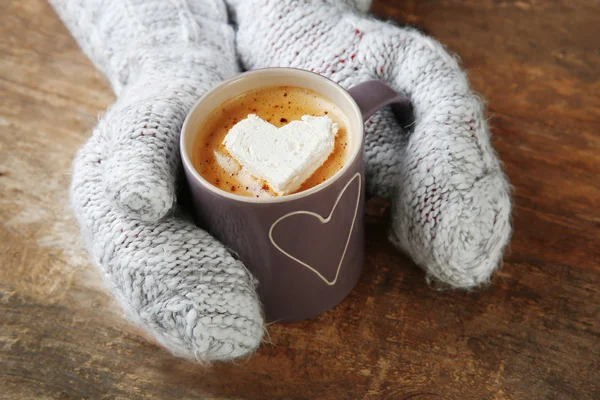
(306, 249)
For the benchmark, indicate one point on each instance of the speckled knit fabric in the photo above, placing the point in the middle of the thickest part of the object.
(173, 279)
(451, 206)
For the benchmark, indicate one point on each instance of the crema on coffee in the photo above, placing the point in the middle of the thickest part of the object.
(279, 106)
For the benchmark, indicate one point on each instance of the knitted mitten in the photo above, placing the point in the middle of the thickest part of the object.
(173, 279)
(450, 198)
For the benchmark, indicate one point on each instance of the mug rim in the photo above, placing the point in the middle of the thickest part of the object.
(186, 158)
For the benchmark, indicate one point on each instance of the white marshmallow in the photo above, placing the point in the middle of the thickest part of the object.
(283, 157)
(227, 163)
(233, 168)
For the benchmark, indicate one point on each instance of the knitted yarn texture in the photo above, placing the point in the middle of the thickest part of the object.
(174, 280)
(450, 198)
(451, 206)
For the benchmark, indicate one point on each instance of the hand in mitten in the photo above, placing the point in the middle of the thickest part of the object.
(450, 198)
(173, 279)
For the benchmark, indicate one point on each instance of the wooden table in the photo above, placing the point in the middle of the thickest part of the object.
(533, 334)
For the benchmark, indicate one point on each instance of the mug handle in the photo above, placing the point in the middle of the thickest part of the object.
(372, 95)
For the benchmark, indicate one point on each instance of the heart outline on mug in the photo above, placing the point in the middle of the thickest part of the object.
(323, 221)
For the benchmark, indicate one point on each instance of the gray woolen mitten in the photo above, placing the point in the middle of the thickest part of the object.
(451, 204)
(173, 279)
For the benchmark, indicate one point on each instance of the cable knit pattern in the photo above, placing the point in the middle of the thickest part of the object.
(451, 206)
(160, 56)
(173, 279)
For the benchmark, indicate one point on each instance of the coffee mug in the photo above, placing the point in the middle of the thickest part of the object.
(306, 249)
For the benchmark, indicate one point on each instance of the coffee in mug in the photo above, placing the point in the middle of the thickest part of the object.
(279, 106)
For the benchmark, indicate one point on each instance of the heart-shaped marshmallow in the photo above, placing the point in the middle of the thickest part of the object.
(284, 157)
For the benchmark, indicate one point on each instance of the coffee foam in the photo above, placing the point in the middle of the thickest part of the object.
(279, 106)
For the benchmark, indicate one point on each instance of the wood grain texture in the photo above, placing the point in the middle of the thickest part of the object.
(533, 334)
